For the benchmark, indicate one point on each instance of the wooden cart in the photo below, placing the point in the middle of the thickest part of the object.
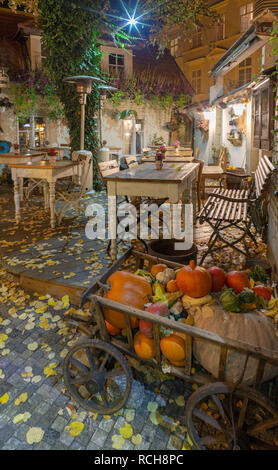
(98, 375)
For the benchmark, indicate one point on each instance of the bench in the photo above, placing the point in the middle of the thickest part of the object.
(239, 208)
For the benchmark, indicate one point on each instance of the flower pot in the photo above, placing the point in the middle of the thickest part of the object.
(159, 164)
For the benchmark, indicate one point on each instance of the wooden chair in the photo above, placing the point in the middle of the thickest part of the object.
(215, 171)
(108, 168)
(72, 197)
(239, 208)
(131, 161)
(199, 181)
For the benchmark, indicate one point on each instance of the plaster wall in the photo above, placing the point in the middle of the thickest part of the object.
(154, 120)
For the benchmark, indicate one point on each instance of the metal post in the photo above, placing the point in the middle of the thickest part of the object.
(82, 126)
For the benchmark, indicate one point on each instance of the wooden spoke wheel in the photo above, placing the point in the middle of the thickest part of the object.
(221, 418)
(97, 376)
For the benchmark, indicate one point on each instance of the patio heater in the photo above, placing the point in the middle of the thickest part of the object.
(83, 87)
(104, 89)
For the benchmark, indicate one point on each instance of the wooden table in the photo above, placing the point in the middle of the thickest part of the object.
(8, 158)
(46, 150)
(11, 158)
(179, 153)
(50, 173)
(168, 159)
(174, 182)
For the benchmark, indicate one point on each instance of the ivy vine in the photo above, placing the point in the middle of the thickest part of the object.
(69, 33)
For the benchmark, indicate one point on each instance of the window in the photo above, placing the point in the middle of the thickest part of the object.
(116, 65)
(263, 112)
(246, 16)
(245, 71)
(220, 29)
(196, 81)
(174, 47)
(197, 38)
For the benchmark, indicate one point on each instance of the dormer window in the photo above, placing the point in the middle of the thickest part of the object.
(116, 63)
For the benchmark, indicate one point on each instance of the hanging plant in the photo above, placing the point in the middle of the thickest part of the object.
(32, 93)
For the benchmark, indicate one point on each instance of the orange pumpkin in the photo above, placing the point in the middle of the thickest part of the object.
(144, 346)
(112, 330)
(172, 286)
(194, 281)
(173, 348)
(158, 268)
(127, 289)
(178, 363)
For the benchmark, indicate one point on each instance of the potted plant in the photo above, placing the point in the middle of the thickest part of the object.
(52, 155)
(159, 157)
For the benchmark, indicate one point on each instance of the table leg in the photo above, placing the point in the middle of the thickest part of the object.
(21, 181)
(17, 199)
(194, 200)
(45, 196)
(52, 203)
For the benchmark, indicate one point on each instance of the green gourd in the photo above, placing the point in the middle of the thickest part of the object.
(230, 301)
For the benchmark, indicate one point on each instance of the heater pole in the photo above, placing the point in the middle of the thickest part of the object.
(82, 127)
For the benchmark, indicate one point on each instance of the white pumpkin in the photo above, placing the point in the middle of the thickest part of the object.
(252, 328)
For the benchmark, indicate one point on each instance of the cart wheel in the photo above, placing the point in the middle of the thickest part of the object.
(221, 418)
(97, 376)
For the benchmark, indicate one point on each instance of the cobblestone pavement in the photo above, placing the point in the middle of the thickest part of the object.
(36, 411)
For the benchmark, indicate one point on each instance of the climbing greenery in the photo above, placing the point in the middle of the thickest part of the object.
(70, 32)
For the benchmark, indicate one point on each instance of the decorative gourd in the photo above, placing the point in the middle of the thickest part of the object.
(194, 280)
(237, 280)
(247, 296)
(146, 327)
(165, 276)
(158, 268)
(173, 348)
(128, 289)
(218, 278)
(172, 286)
(112, 330)
(144, 346)
(252, 328)
(230, 301)
(262, 291)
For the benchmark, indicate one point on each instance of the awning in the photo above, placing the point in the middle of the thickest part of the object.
(255, 37)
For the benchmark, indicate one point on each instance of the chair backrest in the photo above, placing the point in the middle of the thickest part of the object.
(131, 161)
(223, 158)
(200, 171)
(108, 168)
(262, 175)
(85, 171)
